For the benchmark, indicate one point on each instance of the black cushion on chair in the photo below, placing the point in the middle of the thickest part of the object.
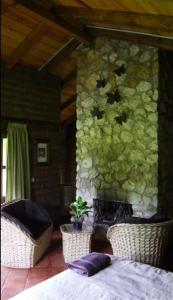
(30, 217)
(157, 218)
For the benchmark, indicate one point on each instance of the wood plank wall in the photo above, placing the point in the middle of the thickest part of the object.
(29, 94)
(165, 133)
(34, 99)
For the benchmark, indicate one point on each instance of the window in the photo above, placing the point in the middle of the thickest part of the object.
(4, 165)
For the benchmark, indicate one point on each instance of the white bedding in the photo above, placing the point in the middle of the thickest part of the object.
(123, 280)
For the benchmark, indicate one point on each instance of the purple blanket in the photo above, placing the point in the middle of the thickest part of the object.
(90, 264)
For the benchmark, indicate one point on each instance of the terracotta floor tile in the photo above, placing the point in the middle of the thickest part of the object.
(8, 269)
(44, 262)
(3, 277)
(15, 282)
(55, 271)
(10, 292)
(35, 272)
(18, 273)
(56, 235)
(56, 258)
(57, 262)
(33, 281)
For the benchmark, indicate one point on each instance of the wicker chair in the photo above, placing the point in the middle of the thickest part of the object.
(25, 233)
(146, 243)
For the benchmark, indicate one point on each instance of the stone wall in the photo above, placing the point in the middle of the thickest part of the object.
(117, 149)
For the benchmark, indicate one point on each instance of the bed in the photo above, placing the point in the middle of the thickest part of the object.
(122, 280)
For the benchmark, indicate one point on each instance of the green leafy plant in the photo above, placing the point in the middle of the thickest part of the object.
(79, 208)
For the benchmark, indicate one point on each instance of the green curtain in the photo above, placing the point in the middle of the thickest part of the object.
(18, 166)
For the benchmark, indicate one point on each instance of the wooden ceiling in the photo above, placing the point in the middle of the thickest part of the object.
(44, 34)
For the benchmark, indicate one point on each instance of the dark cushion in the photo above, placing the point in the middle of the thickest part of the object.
(136, 220)
(31, 217)
(157, 218)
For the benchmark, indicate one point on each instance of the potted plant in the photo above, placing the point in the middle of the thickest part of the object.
(79, 208)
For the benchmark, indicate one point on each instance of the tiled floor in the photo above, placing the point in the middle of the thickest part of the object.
(14, 281)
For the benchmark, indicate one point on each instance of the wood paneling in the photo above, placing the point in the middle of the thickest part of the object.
(19, 15)
(66, 96)
(34, 99)
(68, 102)
(30, 95)
(12, 23)
(145, 23)
(75, 3)
(70, 77)
(54, 39)
(50, 19)
(15, 28)
(45, 4)
(13, 38)
(68, 112)
(33, 60)
(158, 7)
(61, 54)
(165, 133)
(64, 67)
(45, 188)
(69, 87)
(26, 44)
(144, 6)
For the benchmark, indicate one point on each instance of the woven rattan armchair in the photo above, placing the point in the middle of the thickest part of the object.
(25, 233)
(146, 243)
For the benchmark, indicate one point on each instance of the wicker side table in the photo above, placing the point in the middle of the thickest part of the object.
(75, 243)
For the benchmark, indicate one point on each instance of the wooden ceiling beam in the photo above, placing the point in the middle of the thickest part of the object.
(72, 24)
(68, 102)
(50, 18)
(137, 22)
(69, 77)
(152, 7)
(44, 3)
(132, 37)
(26, 45)
(66, 121)
(60, 55)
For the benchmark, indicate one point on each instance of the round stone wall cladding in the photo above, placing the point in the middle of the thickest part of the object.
(117, 152)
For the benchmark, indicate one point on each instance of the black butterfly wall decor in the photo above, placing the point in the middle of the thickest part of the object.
(113, 97)
(121, 119)
(96, 112)
(120, 70)
(101, 83)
